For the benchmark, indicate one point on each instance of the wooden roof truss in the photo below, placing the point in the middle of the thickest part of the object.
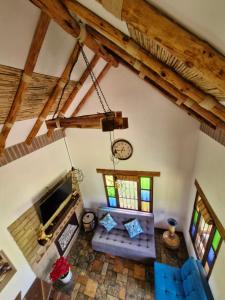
(160, 51)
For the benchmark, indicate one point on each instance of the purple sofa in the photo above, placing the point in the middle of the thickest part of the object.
(118, 243)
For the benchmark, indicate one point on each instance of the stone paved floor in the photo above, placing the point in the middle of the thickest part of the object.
(100, 276)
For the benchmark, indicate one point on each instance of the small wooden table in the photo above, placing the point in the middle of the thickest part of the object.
(171, 242)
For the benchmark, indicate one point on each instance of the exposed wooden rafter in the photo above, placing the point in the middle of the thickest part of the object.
(56, 92)
(58, 12)
(195, 53)
(32, 57)
(186, 88)
(144, 71)
(106, 122)
(91, 90)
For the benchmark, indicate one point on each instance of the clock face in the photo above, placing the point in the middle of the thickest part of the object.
(122, 149)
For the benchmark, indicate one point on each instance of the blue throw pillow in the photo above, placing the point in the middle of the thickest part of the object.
(108, 222)
(134, 228)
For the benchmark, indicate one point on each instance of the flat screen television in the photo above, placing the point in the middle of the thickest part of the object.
(50, 204)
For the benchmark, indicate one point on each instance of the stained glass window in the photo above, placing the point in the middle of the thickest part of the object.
(205, 235)
(129, 192)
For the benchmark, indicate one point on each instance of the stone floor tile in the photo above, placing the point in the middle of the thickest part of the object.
(82, 279)
(81, 297)
(109, 297)
(104, 268)
(96, 266)
(131, 273)
(118, 265)
(121, 277)
(125, 271)
(101, 292)
(139, 272)
(91, 288)
(122, 293)
(75, 291)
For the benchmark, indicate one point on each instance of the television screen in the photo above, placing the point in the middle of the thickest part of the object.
(48, 207)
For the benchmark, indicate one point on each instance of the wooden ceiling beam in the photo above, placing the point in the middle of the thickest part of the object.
(124, 42)
(55, 93)
(144, 71)
(91, 90)
(59, 13)
(32, 57)
(187, 47)
(106, 122)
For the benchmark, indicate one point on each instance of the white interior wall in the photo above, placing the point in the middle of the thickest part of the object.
(210, 174)
(23, 181)
(161, 135)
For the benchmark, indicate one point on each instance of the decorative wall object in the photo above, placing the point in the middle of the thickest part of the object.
(7, 270)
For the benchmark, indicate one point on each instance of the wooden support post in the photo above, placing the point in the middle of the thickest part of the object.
(32, 57)
(91, 90)
(56, 92)
(187, 47)
(104, 29)
(58, 12)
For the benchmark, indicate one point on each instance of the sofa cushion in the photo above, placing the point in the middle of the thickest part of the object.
(192, 281)
(168, 282)
(133, 228)
(108, 222)
(146, 220)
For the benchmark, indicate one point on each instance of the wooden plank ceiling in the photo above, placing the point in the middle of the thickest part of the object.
(188, 70)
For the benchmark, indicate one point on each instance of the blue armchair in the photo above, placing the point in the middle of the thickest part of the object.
(185, 283)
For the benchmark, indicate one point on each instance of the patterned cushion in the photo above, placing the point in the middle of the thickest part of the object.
(133, 227)
(108, 222)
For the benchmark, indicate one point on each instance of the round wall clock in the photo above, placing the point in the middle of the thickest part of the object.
(122, 149)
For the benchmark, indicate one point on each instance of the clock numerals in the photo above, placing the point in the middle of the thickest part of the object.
(122, 149)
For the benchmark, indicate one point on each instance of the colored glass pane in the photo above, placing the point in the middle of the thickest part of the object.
(193, 230)
(121, 201)
(145, 183)
(112, 202)
(195, 217)
(216, 240)
(111, 191)
(145, 206)
(211, 256)
(145, 195)
(109, 180)
(206, 267)
(127, 189)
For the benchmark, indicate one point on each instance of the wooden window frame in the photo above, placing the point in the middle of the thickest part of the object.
(138, 175)
(216, 226)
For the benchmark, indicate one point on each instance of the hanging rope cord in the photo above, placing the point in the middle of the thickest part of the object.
(100, 94)
(63, 91)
